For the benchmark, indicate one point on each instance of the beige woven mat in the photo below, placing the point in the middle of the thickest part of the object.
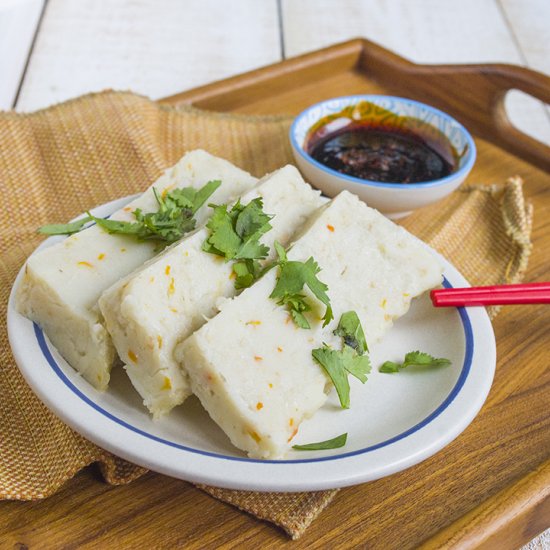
(59, 162)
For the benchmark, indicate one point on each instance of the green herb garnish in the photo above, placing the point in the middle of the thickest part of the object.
(415, 359)
(190, 197)
(173, 219)
(352, 359)
(350, 329)
(292, 278)
(338, 364)
(235, 235)
(64, 228)
(357, 365)
(333, 362)
(334, 443)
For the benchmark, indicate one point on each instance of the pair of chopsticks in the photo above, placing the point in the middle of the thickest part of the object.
(501, 295)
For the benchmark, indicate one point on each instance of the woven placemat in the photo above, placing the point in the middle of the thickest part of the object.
(58, 162)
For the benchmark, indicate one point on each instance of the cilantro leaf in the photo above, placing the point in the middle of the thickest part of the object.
(318, 288)
(297, 305)
(389, 366)
(250, 224)
(334, 443)
(300, 320)
(357, 365)
(419, 358)
(252, 249)
(223, 239)
(64, 228)
(190, 197)
(246, 272)
(167, 224)
(352, 359)
(251, 220)
(338, 364)
(332, 361)
(173, 219)
(235, 234)
(415, 359)
(292, 278)
(350, 329)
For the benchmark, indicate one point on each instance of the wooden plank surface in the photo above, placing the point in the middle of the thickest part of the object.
(159, 48)
(18, 24)
(529, 25)
(430, 31)
(154, 48)
(426, 31)
(504, 451)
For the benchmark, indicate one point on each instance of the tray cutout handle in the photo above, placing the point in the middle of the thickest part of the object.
(536, 85)
(473, 94)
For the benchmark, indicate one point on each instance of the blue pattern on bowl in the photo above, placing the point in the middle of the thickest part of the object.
(458, 136)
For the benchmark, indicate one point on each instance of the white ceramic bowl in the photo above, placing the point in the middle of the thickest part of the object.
(395, 200)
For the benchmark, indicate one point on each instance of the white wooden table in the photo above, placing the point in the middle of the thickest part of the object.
(53, 50)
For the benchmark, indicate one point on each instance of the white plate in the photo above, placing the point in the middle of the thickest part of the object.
(395, 420)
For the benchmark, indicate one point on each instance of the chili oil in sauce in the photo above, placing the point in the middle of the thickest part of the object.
(369, 142)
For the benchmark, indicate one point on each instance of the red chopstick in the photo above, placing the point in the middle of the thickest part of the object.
(530, 293)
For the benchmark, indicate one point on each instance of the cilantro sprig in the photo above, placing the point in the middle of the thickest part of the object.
(334, 443)
(173, 219)
(352, 359)
(415, 359)
(292, 278)
(235, 235)
(64, 228)
(350, 329)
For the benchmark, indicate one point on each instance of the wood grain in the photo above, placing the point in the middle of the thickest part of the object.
(154, 48)
(521, 507)
(428, 31)
(434, 31)
(158, 48)
(488, 486)
(529, 24)
(18, 23)
(474, 94)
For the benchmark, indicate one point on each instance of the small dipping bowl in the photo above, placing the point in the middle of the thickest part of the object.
(442, 133)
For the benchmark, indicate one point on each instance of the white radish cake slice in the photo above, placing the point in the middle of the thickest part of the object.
(252, 367)
(63, 283)
(148, 312)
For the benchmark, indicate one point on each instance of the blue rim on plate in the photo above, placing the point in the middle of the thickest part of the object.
(471, 152)
(125, 432)
(466, 324)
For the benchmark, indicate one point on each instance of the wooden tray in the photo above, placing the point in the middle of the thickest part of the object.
(490, 488)
(473, 94)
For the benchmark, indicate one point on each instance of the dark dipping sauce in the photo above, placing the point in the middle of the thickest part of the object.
(378, 145)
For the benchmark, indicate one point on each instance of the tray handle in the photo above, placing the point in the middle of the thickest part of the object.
(531, 82)
(505, 78)
(473, 94)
